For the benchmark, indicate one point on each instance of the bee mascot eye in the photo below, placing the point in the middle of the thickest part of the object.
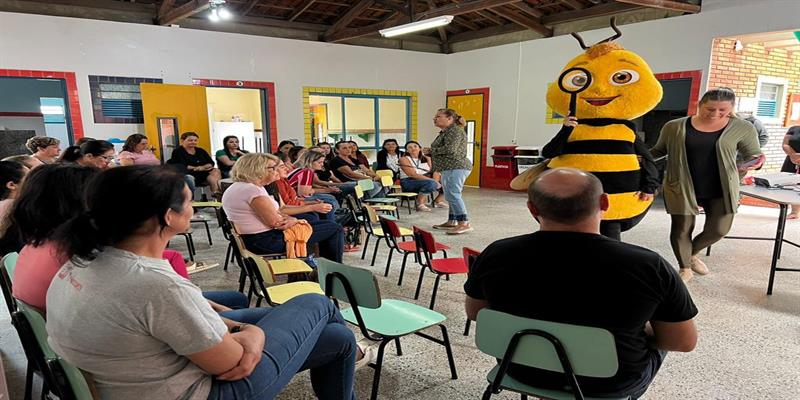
(575, 80)
(624, 77)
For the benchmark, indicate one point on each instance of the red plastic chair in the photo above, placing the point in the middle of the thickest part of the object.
(391, 232)
(470, 255)
(440, 266)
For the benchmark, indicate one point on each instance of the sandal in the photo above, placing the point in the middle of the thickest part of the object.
(369, 350)
(440, 204)
(423, 207)
(792, 215)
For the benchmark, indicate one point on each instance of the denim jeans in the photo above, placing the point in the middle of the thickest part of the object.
(418, 185)
(307, 332)
(329, 199)
(453, 184)
(228, 298)
(328, 234)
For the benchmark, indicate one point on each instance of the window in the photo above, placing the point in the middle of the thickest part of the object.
(366, 119)
(770, 97)
(117, 99)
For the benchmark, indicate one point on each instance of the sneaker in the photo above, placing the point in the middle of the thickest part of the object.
(699, 266)
(686, 274)
(446, 225)
(369, 350)
(461, 228)
(423, 207)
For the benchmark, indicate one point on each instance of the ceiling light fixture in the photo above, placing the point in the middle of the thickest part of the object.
(417, 26)
(218, 12)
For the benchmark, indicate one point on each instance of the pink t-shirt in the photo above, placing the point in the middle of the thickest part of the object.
(143, 158)
(236, 203)
(36, 267)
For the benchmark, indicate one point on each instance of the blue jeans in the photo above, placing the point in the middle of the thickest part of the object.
(453, 184)
(328, 234)
(418, 185)
(228, 298)
(307, 332)
(329, 199)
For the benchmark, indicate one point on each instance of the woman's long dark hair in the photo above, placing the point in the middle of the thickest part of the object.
(109, 218)
(422, 157)
(132, 141)
(93, 147)
(225, 146)
(383, 154)
(10, 171)
(51, 195)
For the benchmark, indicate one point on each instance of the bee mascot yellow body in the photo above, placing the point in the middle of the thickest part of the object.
(604, 142)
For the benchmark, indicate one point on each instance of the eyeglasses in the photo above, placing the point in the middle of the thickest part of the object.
(108, 159)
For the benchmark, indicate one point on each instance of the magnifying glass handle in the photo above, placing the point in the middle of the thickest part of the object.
(573, 103)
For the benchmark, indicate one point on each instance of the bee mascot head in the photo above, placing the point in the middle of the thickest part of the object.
(605, 88)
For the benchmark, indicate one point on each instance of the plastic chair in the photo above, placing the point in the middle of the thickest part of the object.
(263, 279)
(389, 319)
(385, 208)
(389, 173)
(6, 274)
(366, 185)
(407, 197)
(372, 218)
(392, 232)
(568, 349)
(470, 255)
(440, 266)
(200, 220)
(189, 243)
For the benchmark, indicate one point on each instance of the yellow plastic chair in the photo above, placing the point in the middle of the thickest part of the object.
(389, 173)
(372, 218)
(262, 278)
(388, 181)
(387, 208)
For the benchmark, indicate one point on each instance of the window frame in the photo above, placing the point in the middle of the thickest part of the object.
(780, 100)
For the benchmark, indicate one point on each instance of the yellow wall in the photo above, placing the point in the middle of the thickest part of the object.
(227, 102)
(186, 103)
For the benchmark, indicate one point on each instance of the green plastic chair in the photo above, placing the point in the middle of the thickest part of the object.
(569, 349)
(10, 262)
(6, 272)
(390, 319)
(66, 381)
(366, 185)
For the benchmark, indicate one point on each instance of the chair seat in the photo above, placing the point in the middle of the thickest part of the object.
(403, 232)
(289, 266)
(382, 200)
(280, 294)
(201, 204)
(384, 207)
(412, 246)
(449, 265)
(403, 194)
(519, 387)
(398, 187)
(395, 318)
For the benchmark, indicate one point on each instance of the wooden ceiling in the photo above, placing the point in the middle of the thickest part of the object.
(358, 21)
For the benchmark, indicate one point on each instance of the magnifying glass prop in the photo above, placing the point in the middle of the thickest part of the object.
(573, 81)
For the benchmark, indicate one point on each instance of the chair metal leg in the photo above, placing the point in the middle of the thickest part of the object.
(447, 277)
(446, 339)
(376, 379)
(397, 346)
(45, 390)
(228, 255)
(435, 289)
(29, 381)
(487, 394)
(388, 261)
(190, 246)
(523, 396)
(466, 327)
(444, 252)
(208, 233)
(375, 252)
(708, 251)
(419, 284)
(366, 243)
(242, 280)
(408, 203)
(402, 269)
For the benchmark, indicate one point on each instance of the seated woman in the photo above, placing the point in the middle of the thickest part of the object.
(91, 153)
(415, 174)
(284, 146)
(44, 149)
(11, 176)
(29, 161)
(228, 155)
(303, 177)
(137, 151)
(196, 164)
(117, 290)
(357, 156)
(347, 170)
(258, 216)
(389, 157)
(299, 204)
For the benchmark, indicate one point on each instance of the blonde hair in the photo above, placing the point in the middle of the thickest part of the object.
(252, 167)
(450, 113)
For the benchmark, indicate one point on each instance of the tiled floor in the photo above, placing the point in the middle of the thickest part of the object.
(749, 343)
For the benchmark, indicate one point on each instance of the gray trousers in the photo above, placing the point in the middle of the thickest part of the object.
(717, 225)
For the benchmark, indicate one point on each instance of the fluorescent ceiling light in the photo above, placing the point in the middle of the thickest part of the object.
(416, 26)
(213, 16)
(224, 13)
(52, 110)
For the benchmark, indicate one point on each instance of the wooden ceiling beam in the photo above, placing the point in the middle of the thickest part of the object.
(249, 6)
(670, 5)
(523, 20)
(528, 9)
(463, 8)
(184, 11)
(487, 32)
(348, 17)
(574, 4)
(300, 9)
(600, 10)
(394, 6)
(166, 5)
(352, 33)
(441, 30)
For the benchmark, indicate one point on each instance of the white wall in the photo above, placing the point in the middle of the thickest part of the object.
(90, 47)
(517, 113)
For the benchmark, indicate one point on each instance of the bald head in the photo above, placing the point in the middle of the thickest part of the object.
(565, 195)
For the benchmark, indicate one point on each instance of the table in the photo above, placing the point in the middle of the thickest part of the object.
(783, 198)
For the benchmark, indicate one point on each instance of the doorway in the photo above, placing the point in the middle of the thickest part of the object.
(473, 105)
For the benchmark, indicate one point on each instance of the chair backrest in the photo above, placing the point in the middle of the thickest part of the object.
(263, 269)
(470, 255)
(390, 228)
(5, 281)
(372, 216)
(224, 222)
(69, 377)
(366, 184)
(359, 192)
(387, 181)
(425, 241)
(10, 262)
(385, 172)
(363, 284)
(37, 322)
(591, 351)
(237, 240)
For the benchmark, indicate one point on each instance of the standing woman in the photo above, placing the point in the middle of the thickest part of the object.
(43, 148)
(137, 151)
(702, 171)
(197, 163)
(449, 153)
(791, 146)
(228, 155)
(389, 157)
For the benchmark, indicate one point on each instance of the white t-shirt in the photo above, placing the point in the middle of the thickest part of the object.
(236, 203)
(393, 162)
(130, 321)
(421, 168)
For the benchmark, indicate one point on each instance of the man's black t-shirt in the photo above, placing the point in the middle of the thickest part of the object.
(336, 163)
(583, 279)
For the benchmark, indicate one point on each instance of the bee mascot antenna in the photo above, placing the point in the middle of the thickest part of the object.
(605, 88)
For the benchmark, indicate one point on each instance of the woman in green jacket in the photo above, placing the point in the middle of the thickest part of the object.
(702, 172)
(449, 154)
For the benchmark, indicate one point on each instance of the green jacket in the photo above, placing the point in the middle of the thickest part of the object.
(449, 150)
(738, 137)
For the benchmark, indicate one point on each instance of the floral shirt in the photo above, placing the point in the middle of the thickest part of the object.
(449, 150)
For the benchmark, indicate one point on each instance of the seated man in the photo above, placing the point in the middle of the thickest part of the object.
(574, 275)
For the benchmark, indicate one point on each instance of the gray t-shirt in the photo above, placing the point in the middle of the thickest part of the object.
(130, 321)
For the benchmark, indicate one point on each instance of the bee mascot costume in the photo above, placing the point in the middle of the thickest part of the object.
(605, 88)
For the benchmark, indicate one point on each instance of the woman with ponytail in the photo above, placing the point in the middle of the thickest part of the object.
(117, 310)
(449, 154)
(91, 153)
